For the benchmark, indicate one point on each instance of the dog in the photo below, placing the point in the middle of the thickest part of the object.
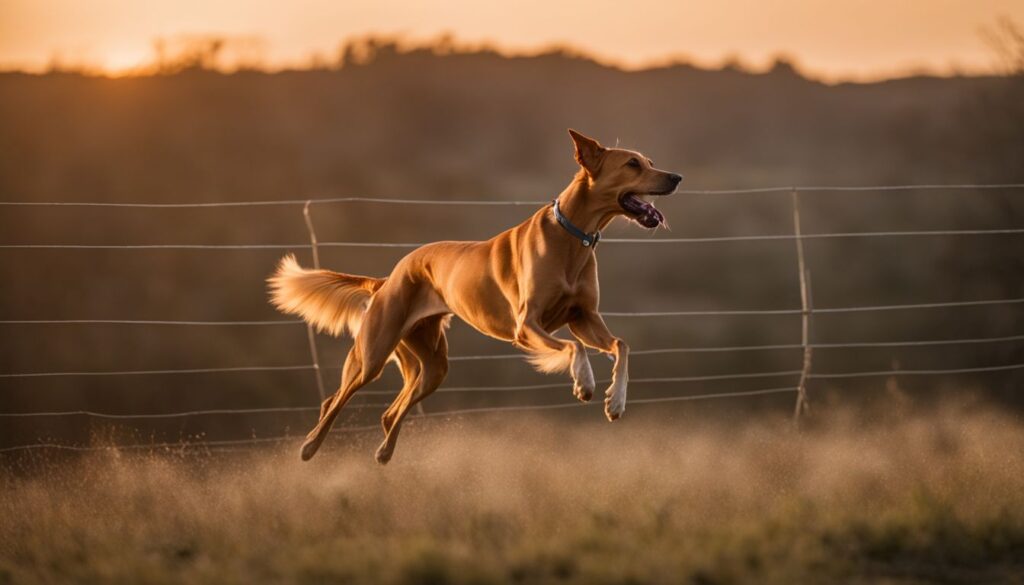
(519, 286)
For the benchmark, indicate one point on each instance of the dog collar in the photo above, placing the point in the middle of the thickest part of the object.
(588, 240)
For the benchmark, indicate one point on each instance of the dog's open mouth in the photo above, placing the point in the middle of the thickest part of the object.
(641, 211)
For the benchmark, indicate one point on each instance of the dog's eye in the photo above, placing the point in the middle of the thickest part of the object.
(633, 162)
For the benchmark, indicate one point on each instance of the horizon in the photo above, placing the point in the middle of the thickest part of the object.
(192, 52)
(843, 42)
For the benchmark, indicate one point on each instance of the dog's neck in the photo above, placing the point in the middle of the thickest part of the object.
(587, 213)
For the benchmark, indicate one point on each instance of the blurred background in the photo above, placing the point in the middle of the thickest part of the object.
(305, 101)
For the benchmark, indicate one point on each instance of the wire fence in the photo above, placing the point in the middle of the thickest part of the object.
(801, 376)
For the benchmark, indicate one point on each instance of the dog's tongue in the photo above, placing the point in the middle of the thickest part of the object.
(642, 212)
(650, 217)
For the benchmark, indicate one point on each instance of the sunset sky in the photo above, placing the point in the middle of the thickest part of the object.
(860, 39)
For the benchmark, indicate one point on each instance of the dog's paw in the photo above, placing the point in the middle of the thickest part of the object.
(582, 393)
(309, 449)
(614, 408)
(582, 377)
(383, 454)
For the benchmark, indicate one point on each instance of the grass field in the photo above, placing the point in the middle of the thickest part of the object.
(935, 498)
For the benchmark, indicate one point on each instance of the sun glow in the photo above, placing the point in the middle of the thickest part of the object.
(851, 39)
(126, 62)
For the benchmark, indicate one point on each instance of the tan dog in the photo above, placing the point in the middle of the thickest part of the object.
(519, 286)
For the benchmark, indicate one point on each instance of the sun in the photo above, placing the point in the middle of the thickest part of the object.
(125, 62)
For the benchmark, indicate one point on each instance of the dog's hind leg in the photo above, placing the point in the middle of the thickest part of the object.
(411, 370)
(325, 404)
(378, 337)
(352, 379)
(429, 347)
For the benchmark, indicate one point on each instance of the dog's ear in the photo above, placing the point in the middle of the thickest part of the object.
(588, 151)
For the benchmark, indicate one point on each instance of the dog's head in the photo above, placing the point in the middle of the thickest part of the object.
(620, 180)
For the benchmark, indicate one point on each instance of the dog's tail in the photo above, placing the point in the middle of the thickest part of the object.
(332, 302)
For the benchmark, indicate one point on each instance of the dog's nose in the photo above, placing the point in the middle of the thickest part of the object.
(675, 178)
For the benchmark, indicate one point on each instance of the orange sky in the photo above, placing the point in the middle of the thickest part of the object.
(833, 39)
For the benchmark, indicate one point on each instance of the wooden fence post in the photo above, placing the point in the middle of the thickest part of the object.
(310, 334)
(802, 402)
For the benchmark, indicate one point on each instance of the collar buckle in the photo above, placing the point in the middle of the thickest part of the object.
(588, 240)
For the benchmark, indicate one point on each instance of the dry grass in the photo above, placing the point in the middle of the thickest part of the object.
(930, 499)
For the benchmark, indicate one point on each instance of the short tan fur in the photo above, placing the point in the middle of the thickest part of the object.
(519, 286)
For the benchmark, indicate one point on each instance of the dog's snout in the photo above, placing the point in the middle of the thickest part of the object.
(675, 178)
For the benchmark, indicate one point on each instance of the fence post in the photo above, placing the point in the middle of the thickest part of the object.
(802, 403)
(310, 334)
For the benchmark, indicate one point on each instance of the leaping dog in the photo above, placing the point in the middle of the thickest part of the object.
(519, 286)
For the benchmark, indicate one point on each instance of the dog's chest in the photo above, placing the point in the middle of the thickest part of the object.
(563, 307)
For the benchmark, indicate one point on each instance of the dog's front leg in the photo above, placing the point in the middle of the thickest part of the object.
(549, 354)
(590, 329)
(615, 396)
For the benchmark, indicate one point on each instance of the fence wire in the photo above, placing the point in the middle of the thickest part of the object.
(448, 413)
(393, 201)
(205, 444)
(708, 313)
(410, 245)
